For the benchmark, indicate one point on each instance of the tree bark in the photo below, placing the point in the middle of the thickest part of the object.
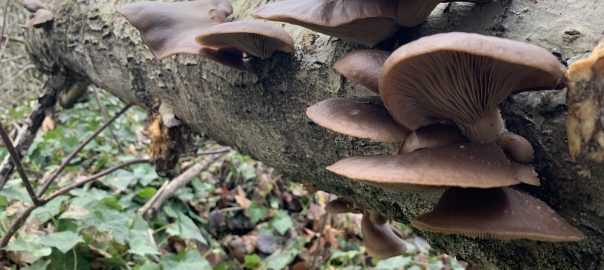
(261, 113)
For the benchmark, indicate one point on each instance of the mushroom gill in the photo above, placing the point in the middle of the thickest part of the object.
(256, 38)
(463, 77)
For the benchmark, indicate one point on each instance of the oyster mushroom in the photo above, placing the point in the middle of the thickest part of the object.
(502, 213)
(462, 77)
(460, 165)
(171, 28)
(256, 38)
(380, 238)
(361, 21)
(364, 117)
(363, 67)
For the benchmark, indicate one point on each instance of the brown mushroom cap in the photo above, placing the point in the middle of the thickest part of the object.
(463, 77)
(502, 213)
(379, 238)
(171, 28)
(517, 147)
(460, 165)
(257, 38)
(41, 17)
(33, 5)
(432, 136)
(363, 67)
(361, 21)
(363, 117)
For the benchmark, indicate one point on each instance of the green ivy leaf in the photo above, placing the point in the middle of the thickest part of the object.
(257, 212)
(63, 241)
(185, 261)
(185, 228)
(139, 241)
(280, 260)
(30, 244)
(281, 222)
(252, 261)
(148, 265)
(48, 211)
(397, 262)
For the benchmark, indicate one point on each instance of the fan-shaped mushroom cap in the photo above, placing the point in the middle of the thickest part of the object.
(379, 238)
(362, 21)
(432, 136)
(502, 213)
(463, 77)
(363, 67)
(364, 117)
(257, 38)
(33, 5)
(171, 28)
(460, 165)
(517, 147)
(41, 16)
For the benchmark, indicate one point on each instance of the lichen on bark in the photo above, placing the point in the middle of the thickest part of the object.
(261, 113)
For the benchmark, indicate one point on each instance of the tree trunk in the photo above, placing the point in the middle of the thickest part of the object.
(262, 113)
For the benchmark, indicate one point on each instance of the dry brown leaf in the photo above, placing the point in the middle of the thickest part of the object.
(241, 199)
(48, 124)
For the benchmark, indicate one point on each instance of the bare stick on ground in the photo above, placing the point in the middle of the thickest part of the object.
(17, 161)
(167, 190)
(53, 176)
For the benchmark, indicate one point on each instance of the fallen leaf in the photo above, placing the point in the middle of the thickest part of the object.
(241, 199)
(48, 124)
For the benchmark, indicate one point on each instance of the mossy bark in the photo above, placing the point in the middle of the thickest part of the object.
(261, 113)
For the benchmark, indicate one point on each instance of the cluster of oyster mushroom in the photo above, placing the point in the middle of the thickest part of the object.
(437, 99)
(203, 28)
(41, 13)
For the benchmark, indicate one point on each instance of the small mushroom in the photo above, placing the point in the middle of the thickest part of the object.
(433, 136)
(256, 38)
(517, 147)
(33, 5)
(363, 117)
(171, 28)
(502, 213)
(459, 165)
(363, 67)
(463, 77)
(380, 238)
(361, 21)
(41, 17)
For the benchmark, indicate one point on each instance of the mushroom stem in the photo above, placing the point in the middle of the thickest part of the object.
(379, 237)
(487, 129)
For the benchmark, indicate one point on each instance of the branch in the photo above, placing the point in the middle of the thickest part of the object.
(23, 217)
(17, 161)
(53, 176)
(167, 190)
(27, 134)
(91, 178)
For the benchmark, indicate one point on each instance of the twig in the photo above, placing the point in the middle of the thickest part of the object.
(2, 32)
(33, 122)
(166, 191)
(53, 176)
(314, 259)
(91, 178)
(17, 161)
(21, 219)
